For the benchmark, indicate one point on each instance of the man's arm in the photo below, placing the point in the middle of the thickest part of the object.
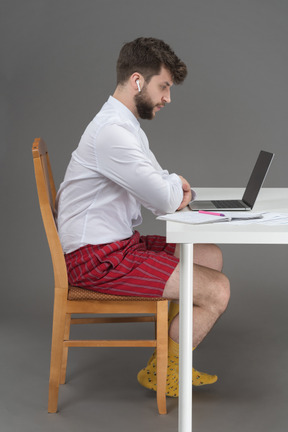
(119, 157)
(187, 194)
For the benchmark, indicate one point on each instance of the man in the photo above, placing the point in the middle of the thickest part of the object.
(111, 175)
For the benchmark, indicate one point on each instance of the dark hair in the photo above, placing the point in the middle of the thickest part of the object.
(147, 56)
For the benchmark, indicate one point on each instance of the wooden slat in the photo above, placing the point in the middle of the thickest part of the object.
(110, 343)
(102, 307)
(112, 320)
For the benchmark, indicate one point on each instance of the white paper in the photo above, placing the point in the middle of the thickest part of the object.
(194, 217)
(235, 218)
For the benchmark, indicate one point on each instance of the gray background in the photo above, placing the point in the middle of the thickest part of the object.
(57, 69)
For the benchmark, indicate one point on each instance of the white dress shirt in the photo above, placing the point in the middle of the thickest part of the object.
(110, 175)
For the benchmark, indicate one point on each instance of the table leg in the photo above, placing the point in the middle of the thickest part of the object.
(185, 338)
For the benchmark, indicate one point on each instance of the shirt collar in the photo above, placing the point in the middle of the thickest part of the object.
(127, 114)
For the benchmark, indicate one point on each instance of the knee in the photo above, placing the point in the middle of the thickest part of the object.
(221, 293)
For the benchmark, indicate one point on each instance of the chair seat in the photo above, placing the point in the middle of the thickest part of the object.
(78, 294)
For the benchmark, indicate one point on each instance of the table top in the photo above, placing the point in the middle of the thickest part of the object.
(269, 200)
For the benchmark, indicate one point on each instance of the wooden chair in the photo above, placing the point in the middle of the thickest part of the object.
(70, 300)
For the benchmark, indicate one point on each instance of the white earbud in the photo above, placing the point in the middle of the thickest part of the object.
(138, 85)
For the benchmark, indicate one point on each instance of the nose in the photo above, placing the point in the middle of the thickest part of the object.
(167, 97)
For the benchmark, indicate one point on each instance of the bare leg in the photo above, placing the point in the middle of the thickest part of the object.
(211, 292)
(210, 298)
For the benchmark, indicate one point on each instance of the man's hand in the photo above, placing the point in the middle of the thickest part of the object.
(187, 194)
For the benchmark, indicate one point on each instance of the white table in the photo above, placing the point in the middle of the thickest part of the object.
(274, 199)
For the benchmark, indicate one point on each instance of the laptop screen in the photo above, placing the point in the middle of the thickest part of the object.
(257, 177)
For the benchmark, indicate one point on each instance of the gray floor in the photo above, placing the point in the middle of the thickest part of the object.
(247, 348)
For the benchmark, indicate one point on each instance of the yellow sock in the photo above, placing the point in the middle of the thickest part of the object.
(147, 376)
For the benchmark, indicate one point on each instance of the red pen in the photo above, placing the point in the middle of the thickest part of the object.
(211, 213)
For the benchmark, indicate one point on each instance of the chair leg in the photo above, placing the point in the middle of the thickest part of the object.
(162, 354)
(56, 351)
(65, 349)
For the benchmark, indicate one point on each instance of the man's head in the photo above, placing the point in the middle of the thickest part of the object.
(147, 56)
(146, 69)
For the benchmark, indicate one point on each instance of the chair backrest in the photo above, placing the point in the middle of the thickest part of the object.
(47, 195)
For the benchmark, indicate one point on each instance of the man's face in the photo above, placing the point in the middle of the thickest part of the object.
(154, 95)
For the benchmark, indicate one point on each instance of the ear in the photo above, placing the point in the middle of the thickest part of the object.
(137, 81)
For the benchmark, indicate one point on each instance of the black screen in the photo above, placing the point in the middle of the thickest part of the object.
(257, 177)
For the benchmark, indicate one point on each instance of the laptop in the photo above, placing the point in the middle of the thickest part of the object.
(248, 200)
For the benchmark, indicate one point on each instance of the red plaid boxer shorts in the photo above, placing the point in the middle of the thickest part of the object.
(137, 266)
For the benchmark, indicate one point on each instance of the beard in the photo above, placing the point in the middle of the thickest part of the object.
(144, 105)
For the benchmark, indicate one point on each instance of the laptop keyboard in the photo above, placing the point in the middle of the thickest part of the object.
(228, 204)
